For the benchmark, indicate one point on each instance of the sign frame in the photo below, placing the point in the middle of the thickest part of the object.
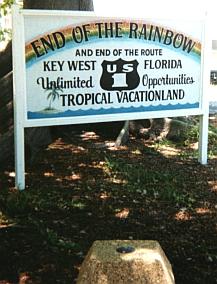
(20, 105)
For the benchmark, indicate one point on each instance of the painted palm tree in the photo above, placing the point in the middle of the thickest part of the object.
(53, 95)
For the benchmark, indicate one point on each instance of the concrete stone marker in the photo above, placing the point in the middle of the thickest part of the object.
(126, 262)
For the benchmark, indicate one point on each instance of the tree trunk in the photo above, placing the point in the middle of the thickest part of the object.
(123, 135)
(83, 5)
(6, 60)
(42, 136)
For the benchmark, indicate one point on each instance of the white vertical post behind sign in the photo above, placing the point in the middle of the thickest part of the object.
(19, 94)
(137, 88)
(204, 118)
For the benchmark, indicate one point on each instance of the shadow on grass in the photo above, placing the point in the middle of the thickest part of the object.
(78, 192)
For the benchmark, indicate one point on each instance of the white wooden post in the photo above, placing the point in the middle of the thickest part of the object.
(19, 91)
(203, 139)
(204, 118)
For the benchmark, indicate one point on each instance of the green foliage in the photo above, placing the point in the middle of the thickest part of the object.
(54, 241)
(4, 34)
(16, 203)
(192, 135)
(5, 6)
(151, 183)
(5, 9)
(212, 141)
(25, 208)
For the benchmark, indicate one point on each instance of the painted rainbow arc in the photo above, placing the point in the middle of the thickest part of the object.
(93, 35)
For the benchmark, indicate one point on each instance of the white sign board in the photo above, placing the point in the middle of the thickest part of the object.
(73, 67)
(82, 67)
